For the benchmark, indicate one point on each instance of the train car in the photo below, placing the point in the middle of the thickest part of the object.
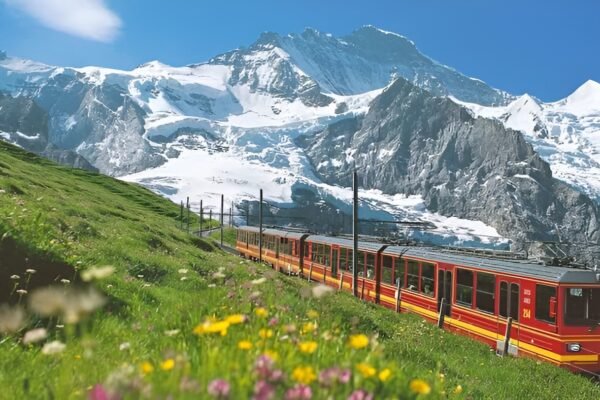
(554, 311)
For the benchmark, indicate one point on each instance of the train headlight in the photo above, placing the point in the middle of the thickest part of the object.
(573, 347)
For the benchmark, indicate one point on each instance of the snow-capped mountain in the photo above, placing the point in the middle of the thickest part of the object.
(234, 124)
(565, 133)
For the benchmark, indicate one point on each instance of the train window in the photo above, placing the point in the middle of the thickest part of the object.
(370, 265)
(427, 279)
(399, 272)
(326, 255)
(582, 306)
(413, 275)
(543, 311)
(464, 287)
(486, 284)
(387, 265)
(306, 250)
(343, 259)
(361, 263)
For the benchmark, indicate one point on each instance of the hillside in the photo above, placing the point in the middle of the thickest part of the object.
(180, 313)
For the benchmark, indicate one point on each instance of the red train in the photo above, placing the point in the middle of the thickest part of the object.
(555, 310)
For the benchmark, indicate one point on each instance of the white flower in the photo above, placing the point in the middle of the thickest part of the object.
(11, 319)
(124, 346)
(35, 335)
(65, 281)
(146, 285)
(15, 277)
(97, 273)
(183, 278)
(183, 271)
(212, 285)
(31, 271)
(321, 290)
(71, 304)
(218, 275)
(172, 332)
(140, 276)
(21, 291)
(47, 301)
(259, 281)
(53, 347)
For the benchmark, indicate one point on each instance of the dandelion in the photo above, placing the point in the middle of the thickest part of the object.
(263, 391)
(259, 281)
(360, 394)
(309, 327)
(358, 341)
(146, 367)
(261, 312)
(183, 271)
(312, 314)
(11, 319)
(321, 291)
(172, 332)
(35, 335)
(419, 386)
(212, 327)
(124, 346)
(218, 388)
(97, 273)
(265, 333)
(458, 389)
(308, 347)
(167, 364)
(244, 345)
(366, 370)
(299, 392)
(15, 277)
(385, 375)
(304, 375)
(54, 347)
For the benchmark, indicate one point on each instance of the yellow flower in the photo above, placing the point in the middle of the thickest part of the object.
(308, 347)
(261, 312)
(265, 333)
(244, 345)
(146, 368)
(236, 319)
(419, 386)
(385, 374)
(271, 354)
(366, 369)
(309, 327)
(212, 327)
(312, 314)
(304, 375)
(167, 365)
(358, 341)
(457, 390)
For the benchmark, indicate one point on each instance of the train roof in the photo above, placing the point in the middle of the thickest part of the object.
(332, 240)
(524, 268)
(275, 232)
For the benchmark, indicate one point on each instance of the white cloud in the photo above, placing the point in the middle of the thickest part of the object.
(90, 19)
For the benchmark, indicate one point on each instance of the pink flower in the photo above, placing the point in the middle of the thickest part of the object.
(219, 388)
(273, 321)
(263, 366)
(299, 392)
(345, 376)
(333, 375)
(263, 391)
(99, 393)
(360, 394)
(276, 375)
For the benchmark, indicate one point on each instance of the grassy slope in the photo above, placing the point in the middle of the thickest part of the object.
(86, 220)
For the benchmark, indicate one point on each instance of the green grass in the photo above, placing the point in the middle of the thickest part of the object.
(57, 216)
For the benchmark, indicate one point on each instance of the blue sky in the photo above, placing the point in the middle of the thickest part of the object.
(545, 48)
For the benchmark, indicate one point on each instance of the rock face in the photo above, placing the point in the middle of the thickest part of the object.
(474, 168)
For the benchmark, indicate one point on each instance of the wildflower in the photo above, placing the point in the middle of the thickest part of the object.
(218, 275)
(11, 319)
(312, 314)
(365, 369)
(140, 276)
(261, 312)
(345, 376)
(255, 295)
(308, 327)
(333, 375)
(54, 347)
(263, 366)
(419, 386)
(321, 291)
(21, 291)
(30, 271)
(15, 277)
(273, 321)
(271, 354)
(212, 285)
(146, 367)
(98, 392)
(299, 392)
(218, 388)
(290, 328)
(358, 341)
(259, 281)
(263, 391)
(458, 389)
(308, 347)
(304, 374)
(360, 394)
(48, 301)
(124, 346)
(212, 327)
(385, 374)
(183, 278)
(167, 364)
(97, 273)
(65, 281)
(172, 332)
(265, 333)
(35, 335)
(244, 345)
(183, 271)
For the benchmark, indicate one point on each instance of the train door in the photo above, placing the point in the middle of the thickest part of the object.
(444, 289)
(508, 306)
(335, 251)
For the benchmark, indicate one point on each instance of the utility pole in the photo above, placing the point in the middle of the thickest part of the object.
(260, 224)
(188, 214)
(247, 213)
(181, 214)
(222, 205)
(201, 216)
(355, 234)
(209, 218)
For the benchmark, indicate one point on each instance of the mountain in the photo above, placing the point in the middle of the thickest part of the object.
(254, 117)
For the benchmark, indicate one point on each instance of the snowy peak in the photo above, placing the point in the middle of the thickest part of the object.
(583, 101)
